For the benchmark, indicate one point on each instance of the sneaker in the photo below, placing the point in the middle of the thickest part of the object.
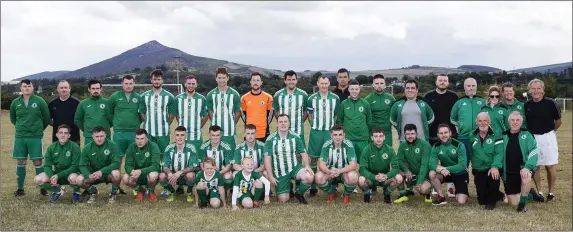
(19, 193)
(439, 201)
(139, 196)
(355, 191)
(300, 198)
(451, 190)
(111, 199)
(367, 197)
(521, 207)
(387, 199)
(135, 193)
(122, 192)
(550, 197)
(255, 204)
(151, 196)
(170, 197)
(92, 198)
(313, 192)
(56, 196)
(179, 191)
(346, 199)
(43, 192)
(190, 198)
(331, 198)
(538, 196)
(165, 193)
(434, 193)
(428, 198)
(401, 199)
(75, 197)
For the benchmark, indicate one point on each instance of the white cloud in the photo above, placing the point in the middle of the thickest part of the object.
(40, 36)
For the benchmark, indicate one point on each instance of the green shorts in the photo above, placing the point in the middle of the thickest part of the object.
(243, 196)
(63, 181)
(230, 140)
(315, 141)
(213, 193)
(196, 143)
(123, 140)
(283, 185)
(31, 145)
(359, 147)
(162, 142)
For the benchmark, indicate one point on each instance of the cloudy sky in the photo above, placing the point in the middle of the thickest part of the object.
(49, 36)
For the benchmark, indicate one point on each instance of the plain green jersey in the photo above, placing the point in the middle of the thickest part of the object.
(486, 152)
(124, 111)
(92, 112)
(356, 118)
(283, 152)
(224, 106)
(190, 111)
(414, 158)
(104, 158)
(337, 157)
(62, 159)
(517, 106)
(293, 105)
(375, 160)
(451, 154)
(29, 120)
(243, 150)
(380, 105)
(157, 108)
(323, 110)
(213, 182)
(222, 154)
(176, 160)
(498, 116)
(464, 112)
(146, 158)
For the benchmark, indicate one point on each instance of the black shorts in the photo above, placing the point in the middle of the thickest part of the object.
(512, 183)
(460, 182)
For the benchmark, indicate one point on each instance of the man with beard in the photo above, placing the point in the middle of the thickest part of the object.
(63, 110)
(411, 110)
(92, 112)
(123, 109)
(157, 110)
(257, 106)
(191, 111)
(224, 106)
(441, 100)
(291, 101)
(380, 105)
(342, 77)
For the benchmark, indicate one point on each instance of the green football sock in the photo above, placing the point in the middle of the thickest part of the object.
(296, 182)
(138, 188)
(189, 186)
(302, 188)
(49, 187)
(114, 188)
(529, 196)
(92, 189)
(202, 195)
(76, 188)
(387, 190)
(20, 175)
(167, 186)
(39, 169)
(348, 189)
(327, 187)
(522, 199)
(402, 191)
(258, 193)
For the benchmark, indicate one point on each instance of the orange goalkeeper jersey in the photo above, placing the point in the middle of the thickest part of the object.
(257, 109)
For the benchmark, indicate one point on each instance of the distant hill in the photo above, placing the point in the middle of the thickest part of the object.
(478, 68)
(543, 69)
(47, 75)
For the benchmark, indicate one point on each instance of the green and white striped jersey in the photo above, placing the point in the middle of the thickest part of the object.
(224, 105)
(256, 152)
(178, 160)
(294, 105)
(222, 154)
(157, 108)
(323, 110)
(284, 152)
(190, 111)
(338, 157)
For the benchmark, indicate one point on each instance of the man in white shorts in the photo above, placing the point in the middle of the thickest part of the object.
(543, 119)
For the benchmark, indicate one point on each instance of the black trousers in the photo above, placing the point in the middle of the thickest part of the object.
(487, 188)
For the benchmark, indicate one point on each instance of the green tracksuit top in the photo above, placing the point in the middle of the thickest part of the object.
(464, 113)
(451, 154)
(104, 158)
(62, 159)
(487, 152)
(375, 160)
(124, 111)
(92, 112)
(427, 115)
(380, 105)
(356, 118)
(146, 158)
(414, 158)
(30, 120)
(517, 106)
(528, 147)
(498, 116)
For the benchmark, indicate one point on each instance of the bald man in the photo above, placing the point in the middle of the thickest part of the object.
(486, 147)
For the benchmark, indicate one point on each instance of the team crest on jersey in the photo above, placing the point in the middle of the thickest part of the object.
(134, 100)
(422, 104)
(417, 150)
(146, 154)
(385, 156)
(68, 153)
(361, 109)
(106, 152)
(479, 103)
(500, 111)
(387, 101)
(102, 106)
(262, 103)
(34, 105)
(523, 137)
(519, 107)
(454, 151)
(488, 141)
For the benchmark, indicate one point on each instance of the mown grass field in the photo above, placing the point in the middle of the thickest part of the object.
(32, 212)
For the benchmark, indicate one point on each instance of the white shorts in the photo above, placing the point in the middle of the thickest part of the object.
(548, 151)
